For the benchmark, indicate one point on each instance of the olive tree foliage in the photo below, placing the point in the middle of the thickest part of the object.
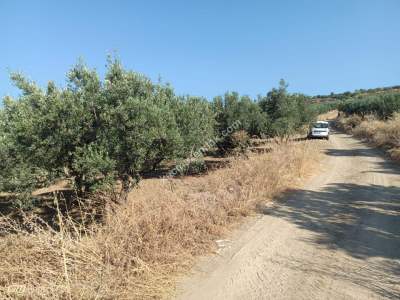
(287, 112)
(196, 122)
(237, 117)
(382, 105)
(95, 131)
(234, 109)
(27, 152)
(279, 113)
(324, 107)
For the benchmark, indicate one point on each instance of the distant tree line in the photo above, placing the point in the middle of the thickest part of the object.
(381, 105)
(324, 107)
(356, 93)
(98, 132)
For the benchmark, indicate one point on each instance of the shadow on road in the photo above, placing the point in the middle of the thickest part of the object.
(384, 166)
(361, 220)
(351, 152)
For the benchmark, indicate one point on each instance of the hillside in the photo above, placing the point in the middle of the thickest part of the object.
(357, 93)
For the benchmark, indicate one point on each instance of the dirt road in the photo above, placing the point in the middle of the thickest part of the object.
(337, 238)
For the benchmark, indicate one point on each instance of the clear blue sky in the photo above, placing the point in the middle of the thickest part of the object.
(208, 47)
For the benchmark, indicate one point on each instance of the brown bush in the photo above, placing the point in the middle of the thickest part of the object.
(349, 123)
(380, 133)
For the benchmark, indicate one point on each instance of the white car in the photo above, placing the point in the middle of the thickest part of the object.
(319, 129)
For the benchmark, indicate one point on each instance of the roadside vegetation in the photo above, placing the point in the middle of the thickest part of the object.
(375, 119)
(380, 133)
(382, 106)
(143, 243)
(101, 135)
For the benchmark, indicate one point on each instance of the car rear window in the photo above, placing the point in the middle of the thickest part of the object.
(320, 125)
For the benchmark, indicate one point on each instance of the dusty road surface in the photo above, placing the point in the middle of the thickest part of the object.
(337, 238)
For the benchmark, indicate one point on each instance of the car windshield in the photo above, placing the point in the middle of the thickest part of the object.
(320, 125)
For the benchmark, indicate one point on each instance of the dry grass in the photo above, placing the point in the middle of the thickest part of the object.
(145, 243)
(380, 133)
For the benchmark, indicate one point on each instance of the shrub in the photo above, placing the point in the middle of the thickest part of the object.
(231, 109)
(277, 114)
(96, 132)
(288, 112)
(240, 141)
(382, 133)
(196, 123)
(190, 166)
(235, 143)
(234, 113)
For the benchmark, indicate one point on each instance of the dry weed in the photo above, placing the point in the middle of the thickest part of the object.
(146, 242)
(380, 133)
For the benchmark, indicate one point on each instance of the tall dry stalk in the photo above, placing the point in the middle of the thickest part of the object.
(62, 243)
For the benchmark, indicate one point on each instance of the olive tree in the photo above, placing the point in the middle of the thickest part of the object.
(95, 132)
(288, 112)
